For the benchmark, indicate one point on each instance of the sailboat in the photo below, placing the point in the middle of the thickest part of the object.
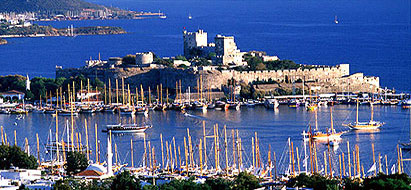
(189, 16)
(365, 125)
(162, 15)
(329, 135)
(335, 20)
(407, 146)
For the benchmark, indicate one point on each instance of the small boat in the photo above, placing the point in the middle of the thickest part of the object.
(189, 16)
(64, 112)
(327, 136)
(271, 103)
(127, 128)
(406, 104)
(250, 103)
(4, 111)
(18, 111)
(200, 106)
(293, 103)
(87, 109)
(109, 108)
(161, 15)
(141, 111)
(234, 105)
(49, 110)
(220, 105)
(127, 110)
(210, 106)
(335, 20)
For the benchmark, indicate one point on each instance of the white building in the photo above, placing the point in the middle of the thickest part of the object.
(21, 174)
(145, 58)
(195, 44)
(227, 52)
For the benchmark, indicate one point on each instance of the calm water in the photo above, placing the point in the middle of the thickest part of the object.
(373, 36)
(273, 128)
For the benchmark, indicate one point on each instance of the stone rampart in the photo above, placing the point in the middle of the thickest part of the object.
(336, 77)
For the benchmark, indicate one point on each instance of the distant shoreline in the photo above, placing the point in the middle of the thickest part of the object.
(46, 31)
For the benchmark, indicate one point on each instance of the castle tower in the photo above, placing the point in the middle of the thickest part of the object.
(194, 40)
(226, 51)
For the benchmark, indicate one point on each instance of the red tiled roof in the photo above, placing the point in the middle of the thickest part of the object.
(89, 173)
(12, 92)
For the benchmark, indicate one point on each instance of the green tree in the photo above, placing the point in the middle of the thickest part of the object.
(180, 57)
(183, 185)
(129, 60)
(13, 155)
(253, 62)
(76, 162)
(125, 181)
(392, 182)
(246, 91)
(260, 66)
(316, 181)
(219, 183)
(245, 181)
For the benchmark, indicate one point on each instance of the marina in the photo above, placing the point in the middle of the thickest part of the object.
(205, 95)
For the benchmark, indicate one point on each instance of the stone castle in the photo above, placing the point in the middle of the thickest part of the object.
(328, 78)
(325, 78)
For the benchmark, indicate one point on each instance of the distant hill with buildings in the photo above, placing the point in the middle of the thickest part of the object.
(46, 5)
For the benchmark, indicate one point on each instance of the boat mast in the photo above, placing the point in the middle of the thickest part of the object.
(88, 91)
(205, 143)
(331, 117)
(316, 119)
(117, 91)
(109, 91)
(57, 136)
(122, 90)
(87, 149)
(356, 120)
(95, 130)
(142, 94)
(162, 150)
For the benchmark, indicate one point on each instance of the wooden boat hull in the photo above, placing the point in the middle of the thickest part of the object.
(327, 137)
(128, 131)
(366, 126)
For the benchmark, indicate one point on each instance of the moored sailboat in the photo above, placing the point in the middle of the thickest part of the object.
(127, 128)
(365, 125)
(329, 135)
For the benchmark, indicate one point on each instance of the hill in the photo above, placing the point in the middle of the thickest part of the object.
(46, 5)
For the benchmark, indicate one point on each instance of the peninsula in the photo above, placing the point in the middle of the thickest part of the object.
(28, 30)
(65, 10)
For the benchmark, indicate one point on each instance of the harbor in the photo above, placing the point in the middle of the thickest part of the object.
(272, 148)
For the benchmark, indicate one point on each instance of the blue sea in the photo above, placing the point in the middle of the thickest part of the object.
(373, 36)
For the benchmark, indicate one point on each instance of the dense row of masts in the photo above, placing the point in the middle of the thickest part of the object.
(123, 95)
(194, 157)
